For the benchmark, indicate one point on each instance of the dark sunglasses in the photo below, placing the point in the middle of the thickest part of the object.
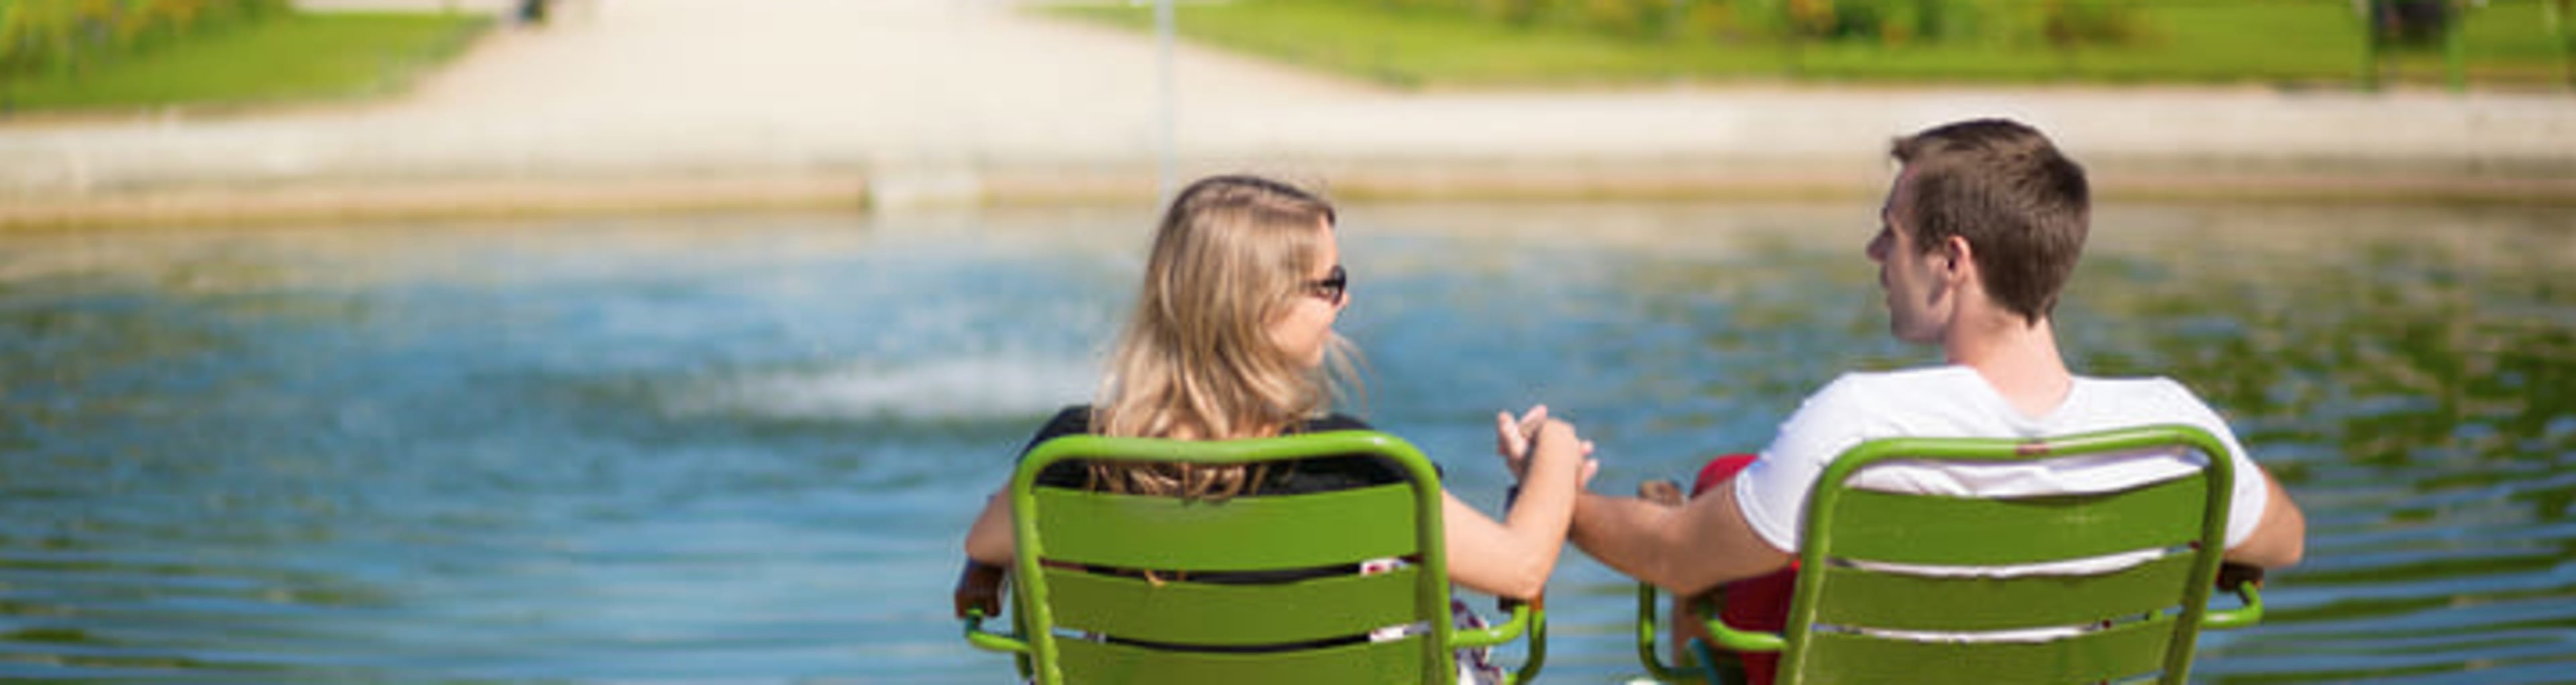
(1332, 286)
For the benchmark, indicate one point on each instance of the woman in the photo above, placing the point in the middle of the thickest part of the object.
(1231, 339)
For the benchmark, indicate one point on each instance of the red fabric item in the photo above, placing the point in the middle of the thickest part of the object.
(1759, 603)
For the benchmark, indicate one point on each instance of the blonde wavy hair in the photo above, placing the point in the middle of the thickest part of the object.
(1196, 360)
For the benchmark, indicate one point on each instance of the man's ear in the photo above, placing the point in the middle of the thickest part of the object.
(1959, 259)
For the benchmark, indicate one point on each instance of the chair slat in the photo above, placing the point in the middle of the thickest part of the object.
(1932, 529)
(1399, 661)
(2154, 607)
(1882, 599)
(2121, 652)
(1063, 535)
(1164, 533)
(1182, 612)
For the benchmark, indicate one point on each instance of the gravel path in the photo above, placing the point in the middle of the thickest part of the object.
(661, 102)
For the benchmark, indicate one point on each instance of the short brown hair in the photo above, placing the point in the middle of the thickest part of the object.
(2022, 206)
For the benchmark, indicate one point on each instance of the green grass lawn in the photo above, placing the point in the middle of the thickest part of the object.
(300, 57)
(2510, 42)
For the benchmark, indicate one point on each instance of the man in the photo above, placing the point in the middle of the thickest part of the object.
(1978, 235)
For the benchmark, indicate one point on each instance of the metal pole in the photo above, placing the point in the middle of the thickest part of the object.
(1166, 147)
(2370, 15)
(2455, 48)
(2567, 39)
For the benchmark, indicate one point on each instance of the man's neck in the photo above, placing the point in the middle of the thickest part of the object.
(2018, 358)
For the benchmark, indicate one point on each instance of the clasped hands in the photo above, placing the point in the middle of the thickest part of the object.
(1517, 440)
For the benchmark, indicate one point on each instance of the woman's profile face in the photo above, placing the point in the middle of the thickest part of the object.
(1305, 327)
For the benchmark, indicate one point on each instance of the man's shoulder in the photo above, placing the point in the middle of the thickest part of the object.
(2136, 384)
(1899, 386)
(1861, 405)
(2144, 393)
(1910, 376)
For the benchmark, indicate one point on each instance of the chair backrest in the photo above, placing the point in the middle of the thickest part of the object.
(1090, 615)
(1907, 588)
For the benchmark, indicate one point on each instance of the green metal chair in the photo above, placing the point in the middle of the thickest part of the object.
(1868, 622)
(1085, 615)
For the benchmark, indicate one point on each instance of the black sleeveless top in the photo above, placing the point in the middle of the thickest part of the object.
(1303, 476)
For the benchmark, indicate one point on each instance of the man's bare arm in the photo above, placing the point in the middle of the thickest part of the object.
(1684, 549)
(2281, 538)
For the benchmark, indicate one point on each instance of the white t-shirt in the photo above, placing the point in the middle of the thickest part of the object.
(1953, 401)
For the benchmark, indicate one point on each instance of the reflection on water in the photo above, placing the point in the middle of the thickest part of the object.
(741, 448)
(2413, 383)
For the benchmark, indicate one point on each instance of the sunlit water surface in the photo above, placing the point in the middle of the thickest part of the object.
(741, 448)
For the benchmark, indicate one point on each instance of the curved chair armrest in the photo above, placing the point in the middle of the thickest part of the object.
(1527, 617)
(1655, 666)
(1743, 640)
(1536, 657)
(979, 595)
(979, 590)
(1709, 667)
(1495, 635)
(2245, 580)
(991, 641)
(2239, 617)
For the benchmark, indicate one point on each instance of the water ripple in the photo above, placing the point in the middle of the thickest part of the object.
(646, 450)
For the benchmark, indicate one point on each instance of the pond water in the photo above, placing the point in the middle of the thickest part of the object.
(742, 448)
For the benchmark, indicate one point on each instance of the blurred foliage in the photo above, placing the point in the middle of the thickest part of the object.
(1888, 22)
(290, 56)
(37, 36)
(1477, 43)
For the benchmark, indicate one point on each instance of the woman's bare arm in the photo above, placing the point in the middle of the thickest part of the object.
(1514, 557)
